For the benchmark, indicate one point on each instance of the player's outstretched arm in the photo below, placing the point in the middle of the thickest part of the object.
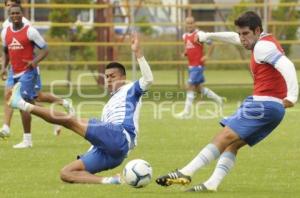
(227, 37)
(147, 77)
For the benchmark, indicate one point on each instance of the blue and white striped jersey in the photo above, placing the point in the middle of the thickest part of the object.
(124, 108)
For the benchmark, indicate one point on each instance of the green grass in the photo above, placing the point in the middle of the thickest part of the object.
(162, 77)
(270, 169)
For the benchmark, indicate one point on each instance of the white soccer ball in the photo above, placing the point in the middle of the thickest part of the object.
(137, 173)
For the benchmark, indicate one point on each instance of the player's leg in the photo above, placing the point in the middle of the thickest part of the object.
(211, 95)
(27, 139)
(50, 98)
(194, 80)
(79, 126)
(208, 154)
(83, 170)
(190, 97)
(8, 111)
(253, 121)
(110, 148)
(223, 167)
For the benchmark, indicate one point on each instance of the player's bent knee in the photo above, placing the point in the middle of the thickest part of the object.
(66, 175)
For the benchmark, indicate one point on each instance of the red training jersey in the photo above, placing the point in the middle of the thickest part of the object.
(194, 51)
(267, 80)
(20, 48)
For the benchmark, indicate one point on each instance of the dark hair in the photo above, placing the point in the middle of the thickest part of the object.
(249, 19)
(16, 6)
(15, 1)
(118, 66)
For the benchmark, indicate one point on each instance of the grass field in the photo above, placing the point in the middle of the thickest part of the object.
(270, 169)
(162, 77)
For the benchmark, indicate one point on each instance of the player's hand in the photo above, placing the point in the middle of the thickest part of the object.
(135, 44)
(3, 74)
(30, 63)
(287, 103)
(204, 58)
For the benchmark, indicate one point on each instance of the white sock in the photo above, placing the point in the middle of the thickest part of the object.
(211, 95)
(224, 165)
(190, 96)
(27, 137)
(110, 180)
(209, 153)
(6, 128)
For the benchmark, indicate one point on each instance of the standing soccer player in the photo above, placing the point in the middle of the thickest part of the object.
(114, 135)
(275, 88)
(194, 51)
(41, 96)
(18, 42)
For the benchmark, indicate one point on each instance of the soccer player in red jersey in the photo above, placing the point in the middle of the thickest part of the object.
(194, 51)
(275, 88)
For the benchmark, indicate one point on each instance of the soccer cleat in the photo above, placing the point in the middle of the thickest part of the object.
(57, 130)
(69, 107)
(175, 177)
(200, 188)
(15, 96)
(182, 115)
(23, 145)
(4, 134)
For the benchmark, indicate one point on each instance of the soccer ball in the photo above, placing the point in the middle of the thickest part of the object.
(137, 173)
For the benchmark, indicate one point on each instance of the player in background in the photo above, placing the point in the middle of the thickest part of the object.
(42, 96)
(194, 51)
(114, 135)
(275, 88)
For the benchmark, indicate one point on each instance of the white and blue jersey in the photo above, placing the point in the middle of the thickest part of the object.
(124, 107)
(115, 134)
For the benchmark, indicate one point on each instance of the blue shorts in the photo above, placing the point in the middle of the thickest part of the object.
(254, 120)
(28, 81)
(110, 146)
(196, 75)
(10, 81)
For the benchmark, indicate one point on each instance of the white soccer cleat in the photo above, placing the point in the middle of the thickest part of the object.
(4, 134)
(182, 115)
(23, 145)
(57, 129)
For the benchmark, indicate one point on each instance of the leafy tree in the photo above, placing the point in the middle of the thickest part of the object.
(286, 32)
(76, 33)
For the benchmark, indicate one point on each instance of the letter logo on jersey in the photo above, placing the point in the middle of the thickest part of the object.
(15, 45)
(189, 45)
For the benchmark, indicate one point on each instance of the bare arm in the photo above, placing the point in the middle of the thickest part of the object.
(4, 63)
(43, 53)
